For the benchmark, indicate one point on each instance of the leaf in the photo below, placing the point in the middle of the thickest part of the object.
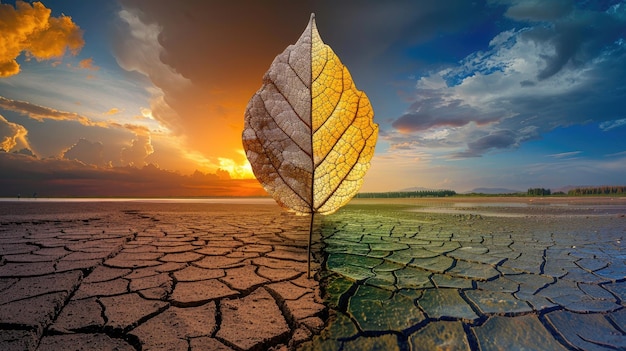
(309, 133)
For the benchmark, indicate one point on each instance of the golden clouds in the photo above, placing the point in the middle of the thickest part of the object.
(88, 64)
(113, 111)
(41, 113)
(11, 134)
(133, 154)
(30, 29)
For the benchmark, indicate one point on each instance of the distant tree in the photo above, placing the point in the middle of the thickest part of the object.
(601, 190)
(538, 192)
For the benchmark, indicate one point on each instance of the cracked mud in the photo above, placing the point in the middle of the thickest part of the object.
(414, 275)
(440, 276)
(154, 277)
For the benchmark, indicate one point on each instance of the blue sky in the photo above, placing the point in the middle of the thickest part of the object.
(504, 93)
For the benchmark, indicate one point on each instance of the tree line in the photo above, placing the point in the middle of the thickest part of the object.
(538, 192)
(581, 191)
(600, 190)
(407, 194)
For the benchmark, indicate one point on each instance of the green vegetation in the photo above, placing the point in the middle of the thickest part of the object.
(601, 190)
(611, 190)
(407, 194)
(538, 192)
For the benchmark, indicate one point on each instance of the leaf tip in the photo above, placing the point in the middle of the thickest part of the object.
(312, 23)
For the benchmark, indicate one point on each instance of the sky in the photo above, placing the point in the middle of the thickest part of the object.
(147, 97)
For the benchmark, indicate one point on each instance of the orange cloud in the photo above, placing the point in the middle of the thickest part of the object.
(133, 154)
(137, 129)
(29, 28)
(136, 153)
(206, 117)
(88, 64)
(113, 111)
(40, 113)
(11, 134)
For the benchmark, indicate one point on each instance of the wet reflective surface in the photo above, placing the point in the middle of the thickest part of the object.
(452, 276)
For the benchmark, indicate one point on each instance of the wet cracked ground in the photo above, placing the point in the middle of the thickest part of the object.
(538, 278)
(154, 277)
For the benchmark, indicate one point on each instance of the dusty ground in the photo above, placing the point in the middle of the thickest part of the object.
(154, 276)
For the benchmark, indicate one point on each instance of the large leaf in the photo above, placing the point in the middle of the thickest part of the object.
(309, 133)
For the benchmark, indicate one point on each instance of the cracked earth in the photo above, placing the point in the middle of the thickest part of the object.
(154, 277)
(475, 277)
(416, 275)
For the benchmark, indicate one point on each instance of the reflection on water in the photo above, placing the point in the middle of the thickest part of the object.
(490, 204)
(468, 212)
(533, 207)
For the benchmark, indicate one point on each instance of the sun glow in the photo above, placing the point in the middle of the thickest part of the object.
(236, 171)
(147, 113)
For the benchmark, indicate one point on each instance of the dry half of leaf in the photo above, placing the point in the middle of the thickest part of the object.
(309, 132)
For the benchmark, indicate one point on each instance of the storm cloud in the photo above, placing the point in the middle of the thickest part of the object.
(55, 177)
(554, 71)
(87, 152)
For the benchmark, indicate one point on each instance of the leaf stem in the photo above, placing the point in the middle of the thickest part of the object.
(308, 275)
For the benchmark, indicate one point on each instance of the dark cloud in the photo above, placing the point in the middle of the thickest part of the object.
(435, 112)
(577, 37)
(372, 30)
(25, 151)
(208, 57)
(87, 152)
(500, 139)
(567, 67)
(54, 177)
(538, 10)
